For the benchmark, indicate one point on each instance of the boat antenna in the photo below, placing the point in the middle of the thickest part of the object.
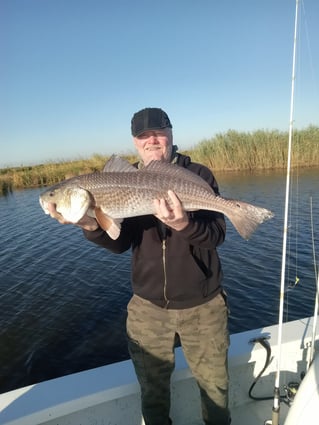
(276, 404)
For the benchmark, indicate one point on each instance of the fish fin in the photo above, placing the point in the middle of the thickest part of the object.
(110, 225)
(175, 171)
(118, 164)
(244, 217)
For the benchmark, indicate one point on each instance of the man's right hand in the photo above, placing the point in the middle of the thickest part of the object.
(86, 222)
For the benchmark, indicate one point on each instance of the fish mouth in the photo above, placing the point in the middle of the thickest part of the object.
(44, 205)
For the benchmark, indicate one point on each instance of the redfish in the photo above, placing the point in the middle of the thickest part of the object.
(121, 191)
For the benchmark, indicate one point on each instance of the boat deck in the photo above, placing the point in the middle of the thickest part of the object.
(256, 413)
(253, 413)
(110, 394)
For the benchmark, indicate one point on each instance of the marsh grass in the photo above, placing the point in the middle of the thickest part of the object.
(260, 150)
(229, 151)
(51, 173)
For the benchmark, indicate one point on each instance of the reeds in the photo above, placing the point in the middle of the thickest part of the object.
(50, 173)
(260, 150)
(229, 151)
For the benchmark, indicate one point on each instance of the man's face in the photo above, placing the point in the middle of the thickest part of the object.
(154, 145)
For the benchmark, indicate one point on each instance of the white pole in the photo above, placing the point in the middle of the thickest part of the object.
(314, 325)
(315, 314)
(276, 405)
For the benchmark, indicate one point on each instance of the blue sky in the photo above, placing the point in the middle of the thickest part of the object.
(73, 72)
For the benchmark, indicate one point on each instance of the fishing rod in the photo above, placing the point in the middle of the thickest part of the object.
(315, 314)
(276, 403)
(314, 325)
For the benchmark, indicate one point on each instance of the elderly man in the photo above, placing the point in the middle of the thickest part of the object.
(176, 281)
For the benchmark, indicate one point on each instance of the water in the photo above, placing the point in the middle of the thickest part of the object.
(63, 299)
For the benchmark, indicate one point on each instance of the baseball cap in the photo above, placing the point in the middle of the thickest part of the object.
(149, 119)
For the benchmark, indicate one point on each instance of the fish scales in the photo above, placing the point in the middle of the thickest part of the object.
(135, 193)
(122, 191)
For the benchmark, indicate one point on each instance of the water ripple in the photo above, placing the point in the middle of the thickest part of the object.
(63, 300)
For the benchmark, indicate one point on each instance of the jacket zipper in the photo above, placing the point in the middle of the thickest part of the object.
(164, 270)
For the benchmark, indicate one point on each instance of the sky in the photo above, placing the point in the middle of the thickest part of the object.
(73, 72)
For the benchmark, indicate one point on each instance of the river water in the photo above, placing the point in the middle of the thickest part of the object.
(63, 299)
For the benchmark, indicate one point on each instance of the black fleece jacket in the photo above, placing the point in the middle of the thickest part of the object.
(173, 269)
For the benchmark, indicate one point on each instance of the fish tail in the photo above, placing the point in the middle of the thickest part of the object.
(246, 217)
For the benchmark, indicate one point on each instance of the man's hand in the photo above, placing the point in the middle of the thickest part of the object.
(173, 216)
(86, 222)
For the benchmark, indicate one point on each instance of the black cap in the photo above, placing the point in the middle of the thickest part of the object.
(149, 119)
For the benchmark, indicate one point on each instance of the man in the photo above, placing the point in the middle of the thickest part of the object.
(176, 280)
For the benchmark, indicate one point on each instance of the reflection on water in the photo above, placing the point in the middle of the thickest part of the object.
(63, 299)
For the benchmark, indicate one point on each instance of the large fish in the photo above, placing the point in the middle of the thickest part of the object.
(122, 191)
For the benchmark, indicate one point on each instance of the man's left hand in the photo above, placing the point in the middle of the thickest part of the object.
(172, 215)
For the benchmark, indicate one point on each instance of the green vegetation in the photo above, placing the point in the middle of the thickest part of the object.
(260, 150)
(50, 173)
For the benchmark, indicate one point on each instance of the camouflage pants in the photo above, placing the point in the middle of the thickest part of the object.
(204, 337)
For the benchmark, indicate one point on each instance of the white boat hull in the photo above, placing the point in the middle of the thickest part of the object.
(110, 394)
